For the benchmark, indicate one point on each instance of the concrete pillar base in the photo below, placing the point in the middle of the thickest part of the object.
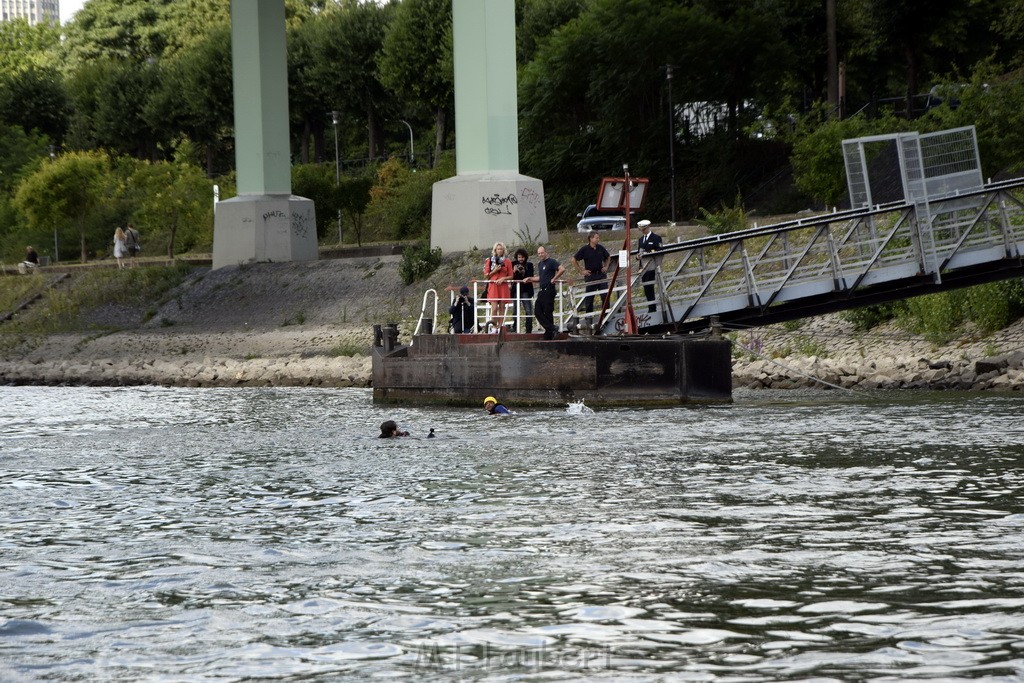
(479, 209)
(254, 228)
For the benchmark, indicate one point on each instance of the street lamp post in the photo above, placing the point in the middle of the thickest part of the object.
(335, 115)
(412, 149)
(56, 243)
(671, 145)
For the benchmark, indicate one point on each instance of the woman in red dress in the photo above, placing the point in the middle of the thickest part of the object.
(498, 271)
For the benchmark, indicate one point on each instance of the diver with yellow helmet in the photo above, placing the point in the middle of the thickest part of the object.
(492, 406)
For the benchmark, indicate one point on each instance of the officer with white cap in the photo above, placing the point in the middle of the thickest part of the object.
(649, 242)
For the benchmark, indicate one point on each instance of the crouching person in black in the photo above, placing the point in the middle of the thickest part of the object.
(462, 312)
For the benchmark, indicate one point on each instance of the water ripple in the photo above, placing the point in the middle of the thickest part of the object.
(173, 534)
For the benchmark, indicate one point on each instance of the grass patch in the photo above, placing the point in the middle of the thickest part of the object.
(349, 349)
(13, 290)
(62, 308)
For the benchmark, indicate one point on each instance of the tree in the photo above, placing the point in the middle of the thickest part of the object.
(23, 46)
(195, 95)
(538, 20)
(18, 150)
(35, 99)
(117, 29)
(110, 99)
(349, 40)
(354, 196)
(66, 191)
(416, 61)
(316, 182)
(927, 37)
(171, 203)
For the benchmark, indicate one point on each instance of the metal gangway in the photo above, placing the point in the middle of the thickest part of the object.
(948, 230)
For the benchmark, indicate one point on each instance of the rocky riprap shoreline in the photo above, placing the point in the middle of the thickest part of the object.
(996, 373)
(833, 353)
(289, 371)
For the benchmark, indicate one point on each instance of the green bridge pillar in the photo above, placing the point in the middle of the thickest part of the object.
(265, 222)
(488, 200)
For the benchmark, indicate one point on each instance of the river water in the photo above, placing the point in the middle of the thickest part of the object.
(154, 534)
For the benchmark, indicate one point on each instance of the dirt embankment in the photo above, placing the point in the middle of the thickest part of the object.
(311, 324)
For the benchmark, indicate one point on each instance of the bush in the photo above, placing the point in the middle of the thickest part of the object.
(995, 305)
(418, 262)
(726, 219)
(868, 317)
(936, 316)
(400, 201)
(818, 167)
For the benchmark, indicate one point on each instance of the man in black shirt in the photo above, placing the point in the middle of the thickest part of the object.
(592, 261)
(548, 272)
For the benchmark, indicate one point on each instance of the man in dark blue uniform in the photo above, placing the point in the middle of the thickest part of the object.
(592, 261)
(548, 272)
(648, 243)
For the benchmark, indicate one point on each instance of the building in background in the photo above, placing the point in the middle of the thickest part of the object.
(35, 11)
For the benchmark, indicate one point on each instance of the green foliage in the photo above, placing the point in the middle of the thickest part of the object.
(415, 61)
(119, 29)
(18, 150)
(726, 219)
(316, 182)
(818, 166)
(418, 262)
(994, 103)
(939, 317)
(802, 345)
(348, 348)
(868, 317)
(401, 198)
(65, 191)
(995, 305)
(193, 96)
(35, 99)
(13, 290)
(119, 123)
(171, 206)
(332, 64)
(540, 18)
(23, 46)
(935, 316)
(354, 195)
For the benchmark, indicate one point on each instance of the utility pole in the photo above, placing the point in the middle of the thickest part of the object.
(671, 145)
(335, 116)
(833, 58)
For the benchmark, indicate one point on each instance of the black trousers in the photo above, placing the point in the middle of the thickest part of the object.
(648, 277)
(588, 302)
(544, 309)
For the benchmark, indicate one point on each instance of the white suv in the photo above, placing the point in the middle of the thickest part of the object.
(593, 218)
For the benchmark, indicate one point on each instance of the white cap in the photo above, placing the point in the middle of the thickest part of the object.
(644, 224)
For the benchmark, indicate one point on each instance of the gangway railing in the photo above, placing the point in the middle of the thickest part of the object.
(822, 263)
